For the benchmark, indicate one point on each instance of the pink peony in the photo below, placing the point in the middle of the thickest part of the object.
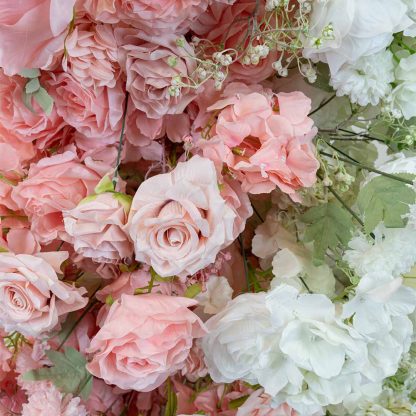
(32, 32)
(265, 140)
(260, 404)
(149, 75)
(144, 340)
(53, 185)
(33, 299)
(179, 221)
(96, 227)
(92, 55)
(161, 17)
(103, 400)
(45, 399)
(95, 113)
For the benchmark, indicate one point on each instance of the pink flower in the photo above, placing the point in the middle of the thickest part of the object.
(96, 227)
(179, 221)
(45, 399)
(91, 55)
(5, 356)
(103, 400)
(33, 299)
(144, 340)
(22, 241)
(22, 124)
(32, 32)
(162, 17)
(53, 185)
(259, 404)
(227, 23)
(150, 69)
(95, 113)
(195, 367)
(265, 140)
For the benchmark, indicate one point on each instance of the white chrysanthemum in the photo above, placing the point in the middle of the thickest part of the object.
(368, 80)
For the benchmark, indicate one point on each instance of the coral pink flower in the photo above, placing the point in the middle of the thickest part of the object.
(265, 140)
(149, 75)
(32, 32)
(103, 400)
(53, 185)
(33, 299)
(144, 340)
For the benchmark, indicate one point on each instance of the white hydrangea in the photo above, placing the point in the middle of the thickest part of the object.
(368, 80)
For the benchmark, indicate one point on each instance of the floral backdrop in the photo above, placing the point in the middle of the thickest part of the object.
(207, 207)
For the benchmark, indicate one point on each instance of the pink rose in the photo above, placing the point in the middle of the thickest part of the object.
(32, 32)
(265, 140)
(53, 185)
(161, 17)
(91, 55)
(260, 404)
(94, 112)
(96, 227)
(179, 221)
(33, 299)
(149, 75)
(22, 124)
(144, 340)
(227, 23)
(195, 367)
(103, 400)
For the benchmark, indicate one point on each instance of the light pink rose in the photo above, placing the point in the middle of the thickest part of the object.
(45, 399)
(195, 367)
(265, 140)
(22, 241)
(227, 23)
(91, 55)
(149, 75)
(94, 112)
(22, 124)
(32, 32)
(151, 403)
(144, 340)
(179, 221)
(53, 185)
(5, 357)
(162, 17)
(96, 227)
(32, 298)
(260, 404)
(103, 400)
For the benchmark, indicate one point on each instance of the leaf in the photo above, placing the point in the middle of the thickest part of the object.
(329, 225)
(193, 290)
(322, 79)
(385, 199)
(69, 373)
(30, 73)
(362, 151)
(105, 185)
(32, 86)
(44, 100)
(236, 403)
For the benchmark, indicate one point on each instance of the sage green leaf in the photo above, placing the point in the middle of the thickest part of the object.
(236, 403)
(30, 73)
(328, 226)
(69, 373)
(27, 101)
(44, 100)
(105, 185)
(32, 86)
(385, 199)
(193, 290)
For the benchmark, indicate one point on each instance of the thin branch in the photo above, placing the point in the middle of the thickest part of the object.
(322, 105)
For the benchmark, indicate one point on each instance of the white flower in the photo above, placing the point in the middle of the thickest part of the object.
(406, 70)
(366, 81)
(360, 28)
(216, 296)
(404, 99)
(411, 12)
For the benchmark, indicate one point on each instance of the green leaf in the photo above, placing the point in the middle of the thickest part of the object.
(105, 185)
(27, 101)
(172, 400)
(44, 100)
(385, 199)
(69, 373)
(236, 403)
(30, 73)
(329, 225)
(323, 77)
(193, 290)
(363, 152)
(32, 86)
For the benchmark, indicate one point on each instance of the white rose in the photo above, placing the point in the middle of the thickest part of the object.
(216, 296)
(404, 99)
(406, 70)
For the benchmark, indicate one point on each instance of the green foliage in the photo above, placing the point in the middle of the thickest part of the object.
(323, 76)
(385, 199)
(68, 374)
(329, 226)
(172, 400)
(362, 151)
(236, 403)
(193, 290)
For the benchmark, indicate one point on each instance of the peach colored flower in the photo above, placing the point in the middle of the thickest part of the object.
(33, 299)
(91, 55)
(179, 221)
(144, 340)
(96, 227)
(53, 185)
(149, 75)
(32, 32)
(95, 113)
(265, 140)
(161, 17)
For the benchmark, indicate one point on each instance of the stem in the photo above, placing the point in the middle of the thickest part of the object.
(370, 169)
(120, 142)
(322, 105)
(304, 284)
(341, 152)
(243, 252)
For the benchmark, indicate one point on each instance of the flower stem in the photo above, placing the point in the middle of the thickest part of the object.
(322, 105)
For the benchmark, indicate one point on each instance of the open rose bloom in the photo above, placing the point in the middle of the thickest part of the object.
(207, 207)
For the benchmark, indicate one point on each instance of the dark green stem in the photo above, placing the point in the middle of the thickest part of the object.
(322, 105)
